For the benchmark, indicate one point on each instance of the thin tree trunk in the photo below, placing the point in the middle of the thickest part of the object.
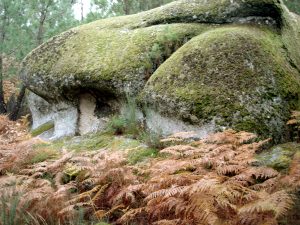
(13, 115)
(44, 12)
(2, 39)
(126, 7)
(2, 102)
(81, 4)
(40, 34)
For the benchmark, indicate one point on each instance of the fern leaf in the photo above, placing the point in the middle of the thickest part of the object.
(100, 214)
(85, 195)
(100, 193)
(131, 215)
(278, 203)
(169, 192)
(229, 170)
(167, 222)
(203, 185)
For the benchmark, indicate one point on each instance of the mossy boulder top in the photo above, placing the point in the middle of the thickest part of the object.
(233, 62)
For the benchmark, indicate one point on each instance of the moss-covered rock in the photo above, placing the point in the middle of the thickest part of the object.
(111, 61)
(235, 75)
(291, 36)
(110, 55)
(224, 62)
(279, 157)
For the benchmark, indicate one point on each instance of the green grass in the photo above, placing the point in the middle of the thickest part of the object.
(10, 211)
(90, 142)
(138, 153)
(77, 144)
(42, 155)
(141, 154)
(141, 143)
(151, 139)
(116, 125)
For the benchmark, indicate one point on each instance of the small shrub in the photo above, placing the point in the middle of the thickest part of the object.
(127, 122)
(116, 125)
(156, 54)
(133, 125)
(163, 49)
(151, 139)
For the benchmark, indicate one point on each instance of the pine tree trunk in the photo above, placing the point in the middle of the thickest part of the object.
(40, 33)
(14, 113)
(81, 5)
(126, 7)
(2, 102)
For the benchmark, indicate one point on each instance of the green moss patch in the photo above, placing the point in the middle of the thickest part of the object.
(91, 142)
(134, 150)
(43, 128)
(140, 154)
(279, 157)
(42, 155)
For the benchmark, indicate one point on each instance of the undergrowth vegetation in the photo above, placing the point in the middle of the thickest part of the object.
(131, 124)
(41, 156)
(138, 155)
(212, 181)
(128, 121)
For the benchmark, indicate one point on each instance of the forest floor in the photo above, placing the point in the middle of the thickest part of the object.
(103, 178)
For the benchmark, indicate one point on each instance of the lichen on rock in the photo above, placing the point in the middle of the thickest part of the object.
(230, 63)
(109, 60)
(279, 157)
(235, 75)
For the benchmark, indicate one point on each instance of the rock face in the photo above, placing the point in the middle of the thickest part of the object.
(196, 64)
(279, 157)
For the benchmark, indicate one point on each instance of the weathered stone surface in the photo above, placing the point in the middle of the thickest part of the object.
(209, 64)
(236, 76)
(64, 115)
(279, 157)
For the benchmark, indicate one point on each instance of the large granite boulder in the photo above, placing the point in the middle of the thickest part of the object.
(195, 64)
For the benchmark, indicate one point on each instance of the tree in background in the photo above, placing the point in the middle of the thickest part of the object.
(100, 9)
(147, 4)
(11, 20)
(23, 26)
(108, 8)
(46, 18)
(293, 5)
